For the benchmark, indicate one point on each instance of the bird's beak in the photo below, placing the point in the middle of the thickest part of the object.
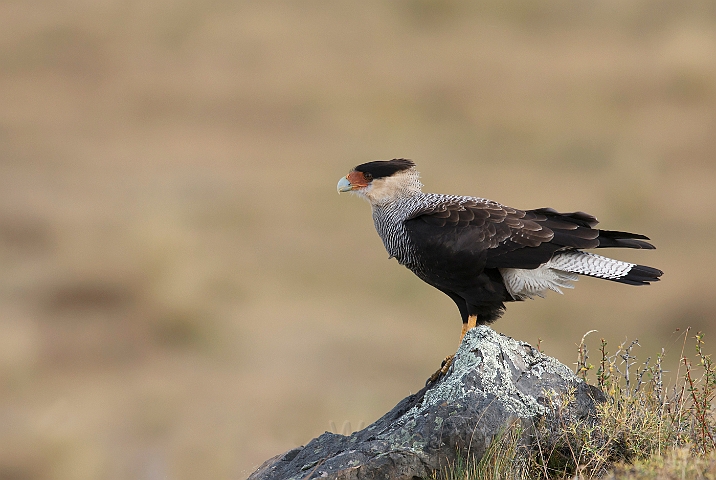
(344, 185)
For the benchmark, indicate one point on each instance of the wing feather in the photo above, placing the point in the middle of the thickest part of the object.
(495, 236)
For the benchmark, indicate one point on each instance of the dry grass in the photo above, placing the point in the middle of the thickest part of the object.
(645, 429)
(182, 293)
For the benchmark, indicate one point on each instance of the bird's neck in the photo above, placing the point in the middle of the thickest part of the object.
(399, 187)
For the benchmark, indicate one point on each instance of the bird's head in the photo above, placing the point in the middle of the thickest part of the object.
(382, 181)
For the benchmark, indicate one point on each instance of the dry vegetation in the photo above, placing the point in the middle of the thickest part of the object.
(643, 429)
(182, 293)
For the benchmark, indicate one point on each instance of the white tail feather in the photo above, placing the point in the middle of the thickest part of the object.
(560, 272)
(585, 263)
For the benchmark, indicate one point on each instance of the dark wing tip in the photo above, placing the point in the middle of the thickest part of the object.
(613, 238)
(578, 218)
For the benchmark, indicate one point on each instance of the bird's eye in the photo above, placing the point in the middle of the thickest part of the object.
(368, 177)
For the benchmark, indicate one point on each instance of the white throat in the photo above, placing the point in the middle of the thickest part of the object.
(402, 184)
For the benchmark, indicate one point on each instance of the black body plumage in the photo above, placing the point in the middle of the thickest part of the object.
(463, 245)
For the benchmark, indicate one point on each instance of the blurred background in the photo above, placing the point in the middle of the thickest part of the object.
(184, 295)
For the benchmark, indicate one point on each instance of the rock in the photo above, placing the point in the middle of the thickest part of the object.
(494, 380)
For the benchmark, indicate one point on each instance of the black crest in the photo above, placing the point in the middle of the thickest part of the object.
(385, 168)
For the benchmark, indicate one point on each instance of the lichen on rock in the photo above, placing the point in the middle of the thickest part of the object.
(494, 380)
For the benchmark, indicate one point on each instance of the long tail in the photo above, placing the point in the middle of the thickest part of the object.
(590, 264)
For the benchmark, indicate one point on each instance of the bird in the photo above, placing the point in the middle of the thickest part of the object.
(483, 254)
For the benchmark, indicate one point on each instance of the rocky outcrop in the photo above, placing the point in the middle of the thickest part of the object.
(494, 381)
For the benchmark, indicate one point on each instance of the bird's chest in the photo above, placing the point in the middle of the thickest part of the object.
(391, 229)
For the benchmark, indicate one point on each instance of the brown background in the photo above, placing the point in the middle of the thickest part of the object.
(182, 292)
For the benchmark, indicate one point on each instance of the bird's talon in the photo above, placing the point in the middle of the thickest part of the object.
(442, 371)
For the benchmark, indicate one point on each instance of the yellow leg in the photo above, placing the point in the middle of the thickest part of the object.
(471, 323)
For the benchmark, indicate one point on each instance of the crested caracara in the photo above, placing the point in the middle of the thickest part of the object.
(483, 254)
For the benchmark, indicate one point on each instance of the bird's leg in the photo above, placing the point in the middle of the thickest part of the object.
(471, 323)
(445, 365)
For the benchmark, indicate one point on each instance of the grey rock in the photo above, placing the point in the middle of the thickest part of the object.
(494, 381)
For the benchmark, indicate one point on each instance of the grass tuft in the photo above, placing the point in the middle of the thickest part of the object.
(642, 430)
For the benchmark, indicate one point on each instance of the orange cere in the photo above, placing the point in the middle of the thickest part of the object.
(357, 179)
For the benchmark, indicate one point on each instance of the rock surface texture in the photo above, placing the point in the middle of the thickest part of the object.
(494, 380)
